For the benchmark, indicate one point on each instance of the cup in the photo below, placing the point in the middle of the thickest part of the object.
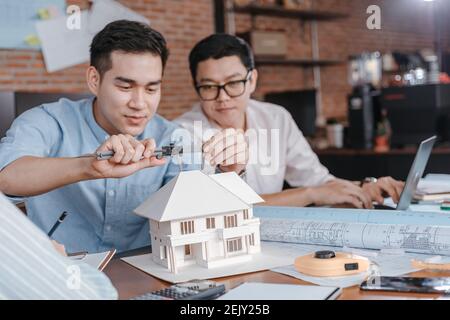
(335, 135)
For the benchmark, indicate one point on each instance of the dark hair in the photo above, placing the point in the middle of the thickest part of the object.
(218, 46)
(127, 36)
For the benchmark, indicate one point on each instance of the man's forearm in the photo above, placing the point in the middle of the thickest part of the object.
(298, 197)
(30, 176)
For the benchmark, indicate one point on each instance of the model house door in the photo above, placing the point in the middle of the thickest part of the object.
(187, 252)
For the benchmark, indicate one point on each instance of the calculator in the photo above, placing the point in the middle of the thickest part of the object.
(192, 290)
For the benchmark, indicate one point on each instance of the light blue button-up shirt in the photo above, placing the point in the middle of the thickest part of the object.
(100, 211)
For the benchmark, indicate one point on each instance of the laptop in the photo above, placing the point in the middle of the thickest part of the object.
(414, 175)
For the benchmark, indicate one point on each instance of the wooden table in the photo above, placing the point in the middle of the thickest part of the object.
(131, 282)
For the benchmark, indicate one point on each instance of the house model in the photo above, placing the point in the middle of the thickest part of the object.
(202, 219)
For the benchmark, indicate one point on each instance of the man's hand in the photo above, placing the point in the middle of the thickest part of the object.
(228, 149)
(60, 248)
(130, 155)
(340, 192)
(384, 187)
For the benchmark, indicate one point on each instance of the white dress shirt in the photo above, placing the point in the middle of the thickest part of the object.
(278, 149)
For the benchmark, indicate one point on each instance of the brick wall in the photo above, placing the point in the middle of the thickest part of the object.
(184, 22)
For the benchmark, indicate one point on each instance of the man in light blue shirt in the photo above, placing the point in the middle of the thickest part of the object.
(39, 157)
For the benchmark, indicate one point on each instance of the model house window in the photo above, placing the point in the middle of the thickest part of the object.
(210, 223)
(163, 251)
(230, 221)
(251, 239)
(234, 245)
(245, 214)
(187, 227)
(187, 249)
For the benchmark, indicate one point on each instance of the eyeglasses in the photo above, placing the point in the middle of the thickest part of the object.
(233, 89)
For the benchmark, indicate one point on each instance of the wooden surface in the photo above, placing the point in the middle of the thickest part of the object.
(131, 282)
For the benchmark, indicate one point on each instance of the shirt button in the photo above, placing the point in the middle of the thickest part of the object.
(108, 228)
(111, 193)
(106, 137)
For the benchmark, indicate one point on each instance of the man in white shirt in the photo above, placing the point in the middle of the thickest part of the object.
(273, 149)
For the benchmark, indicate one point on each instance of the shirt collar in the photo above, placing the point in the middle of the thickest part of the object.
(98, 131)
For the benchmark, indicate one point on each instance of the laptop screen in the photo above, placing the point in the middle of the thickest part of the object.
(415, 173)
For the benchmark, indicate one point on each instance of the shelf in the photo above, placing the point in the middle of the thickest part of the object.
(289, 13)
(362, 152)
(297, 62)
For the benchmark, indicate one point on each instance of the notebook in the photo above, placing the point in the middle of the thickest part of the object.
(273, 291)
(96, 260)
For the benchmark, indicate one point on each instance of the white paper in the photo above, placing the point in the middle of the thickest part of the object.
(273, 255)
(93, 259)
(106, 11)
(61, 46)
(273, 291)
(433, 186)
(437, 177)
(64, 48)
(381, 264)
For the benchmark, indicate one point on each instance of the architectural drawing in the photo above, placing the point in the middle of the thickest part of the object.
(411, 238)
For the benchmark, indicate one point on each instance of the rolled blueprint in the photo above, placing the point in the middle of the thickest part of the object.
(416, 238)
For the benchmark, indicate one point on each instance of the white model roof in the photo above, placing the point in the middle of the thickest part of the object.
(190, 194)
(236, 185)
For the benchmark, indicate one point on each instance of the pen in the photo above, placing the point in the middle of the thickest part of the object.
(57, 223)
(77, 255)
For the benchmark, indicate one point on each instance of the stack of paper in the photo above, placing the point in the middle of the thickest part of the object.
(434, 188)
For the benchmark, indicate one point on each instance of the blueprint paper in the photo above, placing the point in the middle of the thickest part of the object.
(411, 238)
(441, 218)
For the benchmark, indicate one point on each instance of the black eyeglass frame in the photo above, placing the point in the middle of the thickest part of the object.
(220, 87)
